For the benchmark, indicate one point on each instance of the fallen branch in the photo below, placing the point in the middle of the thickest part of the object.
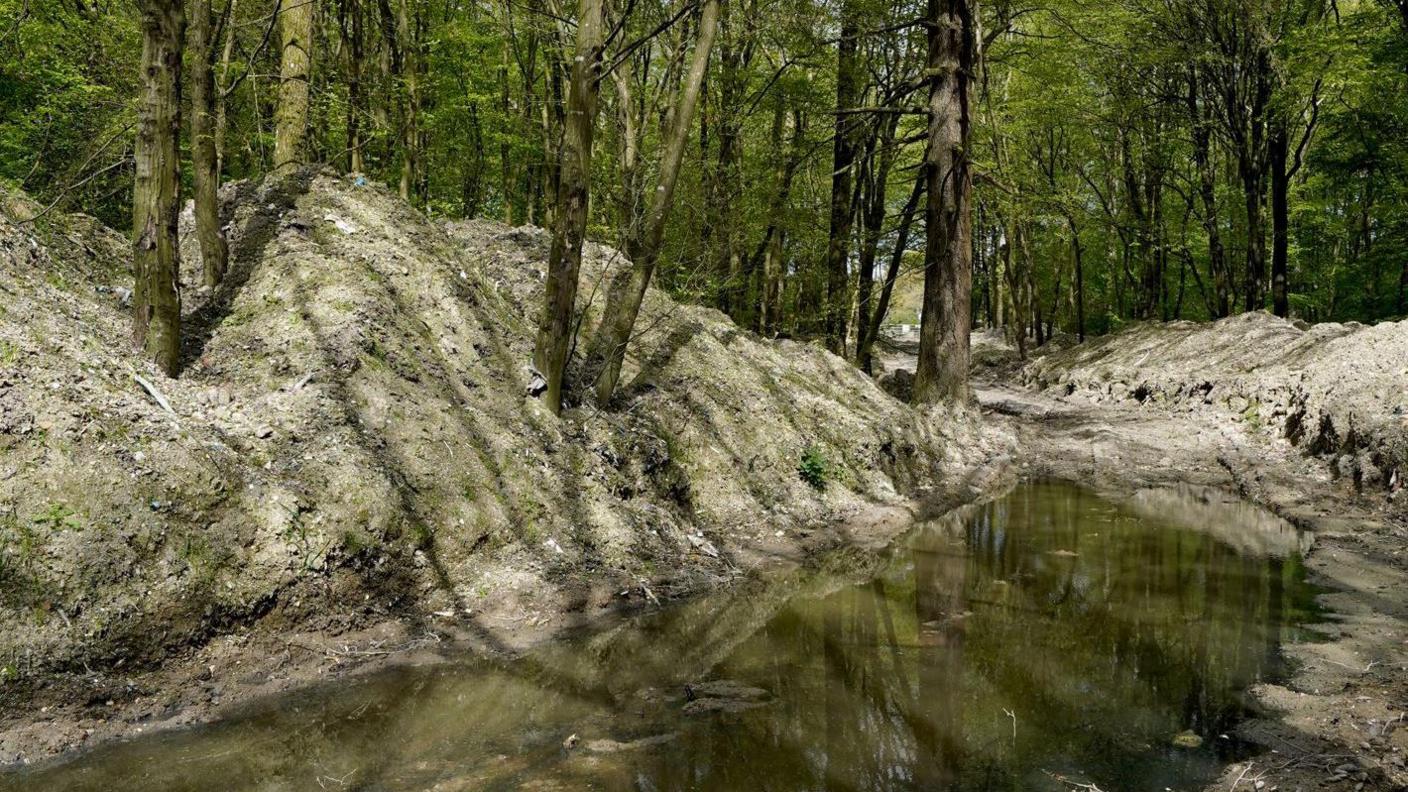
(155, 394)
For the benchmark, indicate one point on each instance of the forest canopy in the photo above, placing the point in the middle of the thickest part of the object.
(1137, 159)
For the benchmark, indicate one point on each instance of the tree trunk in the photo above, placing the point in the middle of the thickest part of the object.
(224, 85)
(156, 191)
(882, 306)
(1279, 147)
(555, 326)
(1079, 262)
(623, 302)
(942, 373)
(873, 208)
(1207, 190)
(291, 119)
(770, 322)
(406, 26)
(838, 248)
(472, 173)
(205, 178)
(354, 41)
(1256, 237)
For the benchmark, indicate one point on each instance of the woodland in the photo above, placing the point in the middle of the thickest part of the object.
(1049, 168)
(342, 334)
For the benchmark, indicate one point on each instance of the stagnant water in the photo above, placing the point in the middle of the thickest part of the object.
(1049, 635)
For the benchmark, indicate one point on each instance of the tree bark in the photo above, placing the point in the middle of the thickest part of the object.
(156, 191)
(205, 177)
(221, 100)
(882, 306)
(942, 371)
(623, 303)
(555, 326)
(1279, 146)
(873, 206)
(838, 248)
(291, 118)
(1207, 190)
(1078, 256)
(354, 41)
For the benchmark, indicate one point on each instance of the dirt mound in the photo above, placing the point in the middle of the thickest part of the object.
(351, 438)
(1337, 391)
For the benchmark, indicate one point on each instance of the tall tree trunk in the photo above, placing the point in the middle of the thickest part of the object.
(882, 306)
(942, 373)
(736, 55)
(1252, 166)
(555, 326)
(354, 43)
(771, 247)
(1279, 147)
(873, 208)
(838, 248)
(1078, 257)
(472, 173)
(205, 177)
(291, 118)
(608, 351)
(156, 191)
(221, 100)
(1256, 236)
(506, 176)
(407, 28)
(1207, 190)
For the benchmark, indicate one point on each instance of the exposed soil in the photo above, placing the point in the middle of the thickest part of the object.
(350, 469)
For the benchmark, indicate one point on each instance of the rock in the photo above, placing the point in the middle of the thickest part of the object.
(1187, 739)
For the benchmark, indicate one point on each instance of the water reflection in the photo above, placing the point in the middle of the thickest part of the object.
(1050, 634)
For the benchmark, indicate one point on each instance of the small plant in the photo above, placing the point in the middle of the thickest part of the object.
(814, 468)
(56, 518)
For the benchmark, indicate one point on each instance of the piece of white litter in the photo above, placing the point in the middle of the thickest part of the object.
(552, 545)
(342, 225)
(155, 394)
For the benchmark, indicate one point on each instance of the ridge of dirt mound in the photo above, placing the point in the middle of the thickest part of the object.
(1336, 391)
(350, 439)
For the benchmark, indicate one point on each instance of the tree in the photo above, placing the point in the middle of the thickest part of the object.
(626, 293)
(204, 163)
(843, 154)
(556, 324)
(156, 193)
(942, 373)
(295, 64)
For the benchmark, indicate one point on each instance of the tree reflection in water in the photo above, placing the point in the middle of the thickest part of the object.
(1048, 633)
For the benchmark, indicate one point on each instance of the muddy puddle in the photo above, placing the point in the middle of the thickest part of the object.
(1048, 639)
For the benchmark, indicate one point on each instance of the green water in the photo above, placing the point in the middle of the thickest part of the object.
(1049, 634)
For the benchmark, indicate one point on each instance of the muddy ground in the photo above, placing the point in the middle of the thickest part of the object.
(1092, 414)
